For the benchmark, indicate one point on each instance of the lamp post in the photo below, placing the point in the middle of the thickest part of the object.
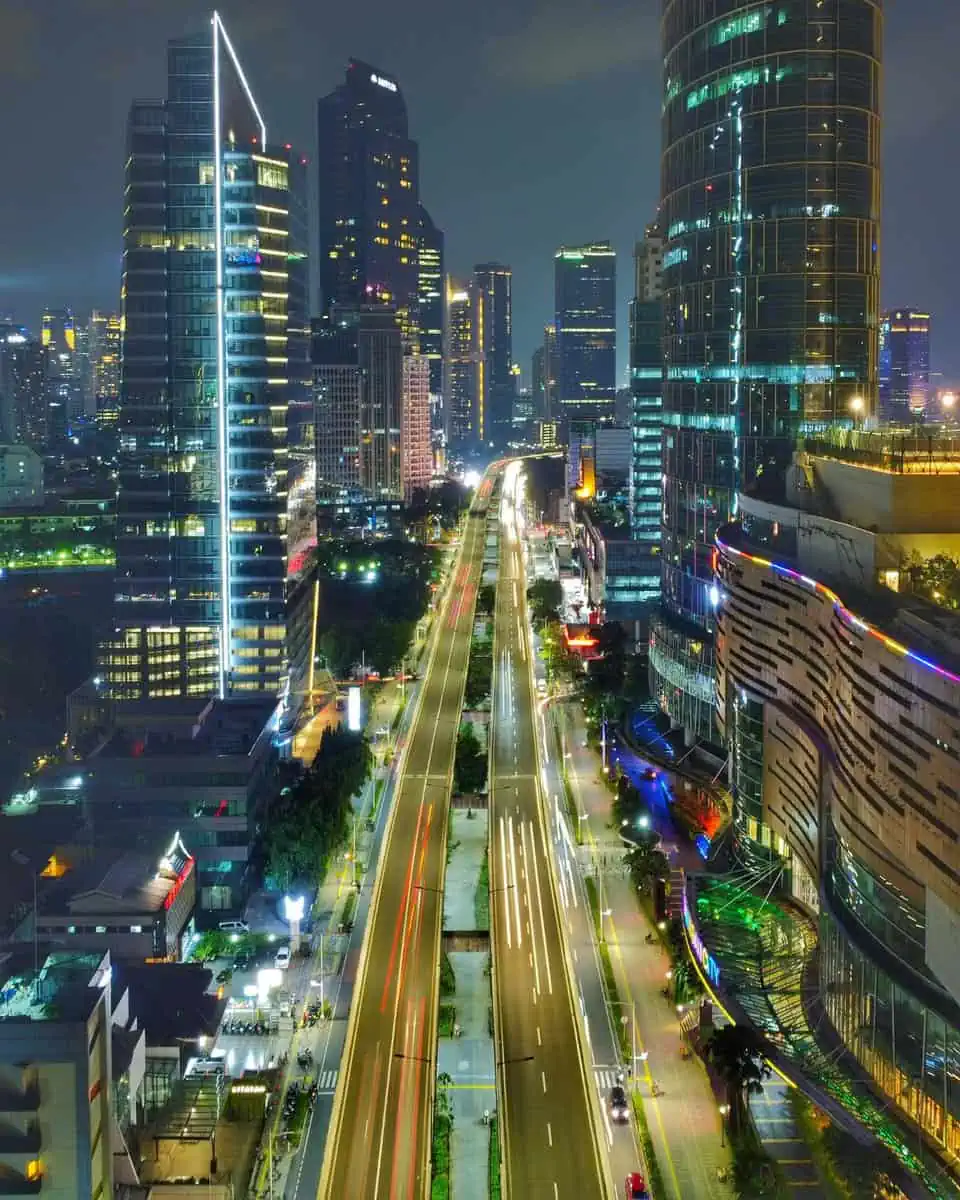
(724, 1113)
(857, 407)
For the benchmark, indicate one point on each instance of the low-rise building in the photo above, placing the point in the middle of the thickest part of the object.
(205, 769)
(838, 694)
(21, 477)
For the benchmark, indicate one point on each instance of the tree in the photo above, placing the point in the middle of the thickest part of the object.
(647, 862)
(545, 597)
(486, 598)
(736, 1053)
(470, 763)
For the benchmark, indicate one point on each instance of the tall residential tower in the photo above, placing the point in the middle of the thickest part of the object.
(493, 285)
(770, 207)
(213, 358)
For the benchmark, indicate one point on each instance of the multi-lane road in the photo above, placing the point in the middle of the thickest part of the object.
(547, 1116)
(380, 1133)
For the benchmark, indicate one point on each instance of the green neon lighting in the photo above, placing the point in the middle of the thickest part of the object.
(749, 22)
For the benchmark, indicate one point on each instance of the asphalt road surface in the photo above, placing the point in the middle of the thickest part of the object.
(549, 1136)
(380, 1134)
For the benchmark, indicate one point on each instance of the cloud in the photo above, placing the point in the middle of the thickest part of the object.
(559, 44)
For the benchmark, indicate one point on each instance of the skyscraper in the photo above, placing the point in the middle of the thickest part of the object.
(463, 388)
(646, 423)
(64, 394)
(544, 376)
(493, 283)
(369, 195)
(213, 359)
(430, 292)
(358, 388)
(104, 350)
(904, 365)
(416, 456)
(23, 387)
(586, 323)
(770, 278)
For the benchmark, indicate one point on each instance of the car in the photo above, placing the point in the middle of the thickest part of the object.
(648, 773)
(617, 1103)
(635, 1187)
(233, 927)
(225, 975)
(282, 959)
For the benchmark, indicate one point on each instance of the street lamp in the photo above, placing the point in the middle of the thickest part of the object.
(724, 1113)
(857, 407)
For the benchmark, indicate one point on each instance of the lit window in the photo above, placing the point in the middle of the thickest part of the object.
(136, 929)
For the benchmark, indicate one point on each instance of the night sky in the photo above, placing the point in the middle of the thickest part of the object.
(538, 123)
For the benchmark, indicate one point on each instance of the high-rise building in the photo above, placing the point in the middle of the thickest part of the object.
(904, 365)
(213, 358)
(646, 423)
(416, 455)
(585, 280)
(544, 386)
(23, 387)
(64, 383)
(770, 278)
(104, 350)
(463, 388)
(358, 390)
(369, 199)
(493, 285)
(430, 294)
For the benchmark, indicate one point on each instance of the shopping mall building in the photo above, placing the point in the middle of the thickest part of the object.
(838, 693)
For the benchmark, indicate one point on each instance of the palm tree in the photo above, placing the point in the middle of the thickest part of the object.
(647, 862)
(736, 1052)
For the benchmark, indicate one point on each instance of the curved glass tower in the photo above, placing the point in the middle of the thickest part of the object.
(770, 205)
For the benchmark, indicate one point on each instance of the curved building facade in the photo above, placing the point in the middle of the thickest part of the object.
(845, 755)
(770, 206)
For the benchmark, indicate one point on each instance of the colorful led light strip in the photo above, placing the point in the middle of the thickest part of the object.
(848, 617)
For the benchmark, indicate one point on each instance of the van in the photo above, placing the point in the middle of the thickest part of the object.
(233, 927)
(282, 960)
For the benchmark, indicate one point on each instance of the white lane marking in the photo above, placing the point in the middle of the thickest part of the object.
(527, 856)
(539, 1038)
(543, 1081)
(506, 899)
(543, 928)
(516, 886)
(549, 1135)
(556, 1191)
(606, 1122)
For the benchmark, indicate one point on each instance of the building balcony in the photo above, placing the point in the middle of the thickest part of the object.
(20, 1141)
(18, 1100)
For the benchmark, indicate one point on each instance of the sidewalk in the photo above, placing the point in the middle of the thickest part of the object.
(684, 1122)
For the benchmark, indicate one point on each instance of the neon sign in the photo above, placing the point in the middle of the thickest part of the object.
(703, 956)
(380, 81)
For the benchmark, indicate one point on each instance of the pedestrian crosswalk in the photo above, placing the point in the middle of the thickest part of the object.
(327, 1081)
(606, 1077)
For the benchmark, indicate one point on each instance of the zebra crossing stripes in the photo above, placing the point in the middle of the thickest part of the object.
(327, 1081)
(606, 1078)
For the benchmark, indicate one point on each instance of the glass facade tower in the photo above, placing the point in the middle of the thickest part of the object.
(369, 204)
(214, 359)
(770, 207)
(431, 300)
(904, 365)
(495, 282)
(585, 279)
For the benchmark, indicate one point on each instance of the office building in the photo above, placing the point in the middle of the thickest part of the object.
(23, 384)
(358, 381)
(430, 294)
(416, 455)
(770, 279)
(203, 770)
(213, 360)
(64, 373)
(104, 350)
(838, 693)
(493, 289)
(544, 375)
(21, 478)
(646, 398)
(585, 280)
(56, 1076)
(904, 366)
(463, 389)
(369, 196)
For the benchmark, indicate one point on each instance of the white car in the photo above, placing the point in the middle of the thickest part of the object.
(282, 960)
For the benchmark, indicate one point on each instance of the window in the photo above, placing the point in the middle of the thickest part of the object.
(136, 929)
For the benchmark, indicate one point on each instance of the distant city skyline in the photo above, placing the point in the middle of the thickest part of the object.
(494, 124)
